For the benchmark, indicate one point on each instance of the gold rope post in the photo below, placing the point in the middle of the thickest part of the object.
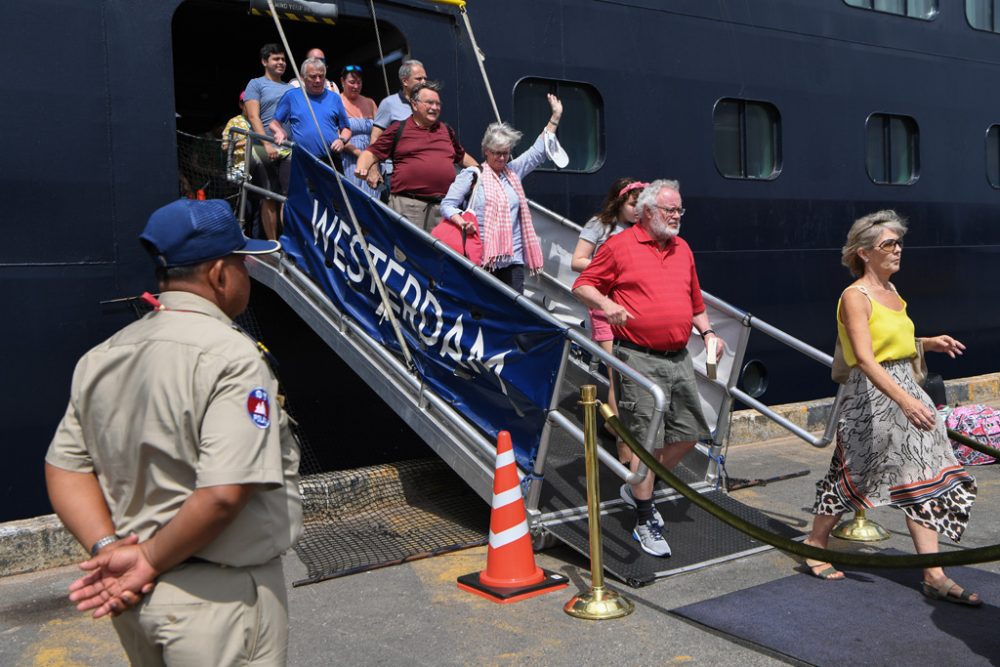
(599, 603)
(860, 529)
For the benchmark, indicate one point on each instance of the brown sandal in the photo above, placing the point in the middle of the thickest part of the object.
(943, 592)
(828, 573)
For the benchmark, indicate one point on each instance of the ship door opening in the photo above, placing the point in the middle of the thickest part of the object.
(216, 51)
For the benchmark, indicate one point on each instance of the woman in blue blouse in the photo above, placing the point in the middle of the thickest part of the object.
(497, 198)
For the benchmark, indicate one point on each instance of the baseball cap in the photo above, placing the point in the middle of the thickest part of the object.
(189, 231)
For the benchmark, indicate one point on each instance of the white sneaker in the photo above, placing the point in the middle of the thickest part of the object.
(650, 539)
(626, 494)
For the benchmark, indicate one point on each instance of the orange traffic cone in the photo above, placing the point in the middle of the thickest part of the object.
(511, 573)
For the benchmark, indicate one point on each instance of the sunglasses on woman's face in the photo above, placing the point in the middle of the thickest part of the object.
(890, 245)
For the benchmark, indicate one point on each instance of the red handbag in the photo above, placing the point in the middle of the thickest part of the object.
(466, 242)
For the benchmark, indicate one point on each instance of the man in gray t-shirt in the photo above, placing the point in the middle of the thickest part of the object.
(397, 106)
(269, 167)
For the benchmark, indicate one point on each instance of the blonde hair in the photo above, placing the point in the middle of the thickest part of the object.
(863, 234)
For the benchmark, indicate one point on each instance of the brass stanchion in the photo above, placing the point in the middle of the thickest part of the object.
(860, 529)
(599, 603)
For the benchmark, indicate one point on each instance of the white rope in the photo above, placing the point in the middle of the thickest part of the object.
(386, 304)
(481, 59)
(381, 54)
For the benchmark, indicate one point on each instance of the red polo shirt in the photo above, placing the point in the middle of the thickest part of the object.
(659, 288)
(425, 157)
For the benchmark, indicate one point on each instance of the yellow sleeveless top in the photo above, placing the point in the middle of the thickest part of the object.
(891, 330)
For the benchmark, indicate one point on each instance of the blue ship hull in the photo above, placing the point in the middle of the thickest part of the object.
(91, 151)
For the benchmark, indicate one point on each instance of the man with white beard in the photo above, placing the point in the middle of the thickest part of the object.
(644, 280)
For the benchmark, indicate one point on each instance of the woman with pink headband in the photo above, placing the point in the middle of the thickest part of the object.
(617, 213)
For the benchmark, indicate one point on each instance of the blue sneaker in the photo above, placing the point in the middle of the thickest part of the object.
(651, 540)
(626, 494)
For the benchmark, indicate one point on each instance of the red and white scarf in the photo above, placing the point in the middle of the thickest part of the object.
(498, 238)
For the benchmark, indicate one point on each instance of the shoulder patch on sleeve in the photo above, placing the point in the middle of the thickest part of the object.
(259, 407)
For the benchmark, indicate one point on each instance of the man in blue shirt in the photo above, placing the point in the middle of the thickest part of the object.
(293, 113)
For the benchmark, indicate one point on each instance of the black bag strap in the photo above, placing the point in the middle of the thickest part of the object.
(395, 139)
(399, 133)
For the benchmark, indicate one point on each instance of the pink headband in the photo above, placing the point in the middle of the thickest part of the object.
(636, 185)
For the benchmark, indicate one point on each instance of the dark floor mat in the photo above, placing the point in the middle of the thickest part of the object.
(873, 617)
(696, 538)
(360, 519)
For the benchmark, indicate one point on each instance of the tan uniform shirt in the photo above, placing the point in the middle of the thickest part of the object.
(177, 401)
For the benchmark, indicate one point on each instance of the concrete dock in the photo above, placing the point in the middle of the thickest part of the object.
(414, 614)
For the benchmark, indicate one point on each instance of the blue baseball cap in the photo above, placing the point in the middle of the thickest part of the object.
(191, 231)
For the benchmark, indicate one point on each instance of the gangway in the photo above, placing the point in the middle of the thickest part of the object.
(445, 405)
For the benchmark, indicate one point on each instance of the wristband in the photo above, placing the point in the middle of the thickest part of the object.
(708, 331)
(103, 542)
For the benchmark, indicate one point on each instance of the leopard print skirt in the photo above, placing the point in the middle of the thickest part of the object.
(882, 459)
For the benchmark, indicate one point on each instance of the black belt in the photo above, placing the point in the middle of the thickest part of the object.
(423, 198)
(648, 350)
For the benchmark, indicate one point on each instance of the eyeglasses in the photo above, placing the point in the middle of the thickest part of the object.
(351, 68)
(499, 154)
(671, 210)
(890, 245)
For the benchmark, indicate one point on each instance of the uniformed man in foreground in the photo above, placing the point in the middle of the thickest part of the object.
(174, 463)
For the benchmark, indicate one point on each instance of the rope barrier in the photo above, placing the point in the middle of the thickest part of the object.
(946, 559)
(974, 444)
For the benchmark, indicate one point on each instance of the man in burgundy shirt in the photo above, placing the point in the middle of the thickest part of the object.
(424, 152)
(644, 280)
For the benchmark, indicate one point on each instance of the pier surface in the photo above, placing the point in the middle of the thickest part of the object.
(414, 614)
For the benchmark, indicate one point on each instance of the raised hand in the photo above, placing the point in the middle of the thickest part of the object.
(556, 105)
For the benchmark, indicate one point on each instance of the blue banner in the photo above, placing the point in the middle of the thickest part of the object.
(493, 360)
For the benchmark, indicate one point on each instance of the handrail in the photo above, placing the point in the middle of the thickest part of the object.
(573, 337)
(749, 322)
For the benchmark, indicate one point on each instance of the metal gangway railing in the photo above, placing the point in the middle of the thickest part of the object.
(450, 433)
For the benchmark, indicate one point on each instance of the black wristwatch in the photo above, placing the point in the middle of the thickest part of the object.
(708, 331)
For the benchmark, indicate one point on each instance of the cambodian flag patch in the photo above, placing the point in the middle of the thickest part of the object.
(259, 407)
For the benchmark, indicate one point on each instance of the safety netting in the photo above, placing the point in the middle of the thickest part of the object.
(370, 517)
(202, 171)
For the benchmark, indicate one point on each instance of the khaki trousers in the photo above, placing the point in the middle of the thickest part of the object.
(421, 213)
(206, 614)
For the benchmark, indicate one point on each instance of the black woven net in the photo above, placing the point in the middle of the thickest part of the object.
(201, 166)
(360, 519)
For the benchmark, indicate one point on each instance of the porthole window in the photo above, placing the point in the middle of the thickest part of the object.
(993, 155)
(918, 9)
(747, 139)
(581, 130)
(893, 149)
(983, 14)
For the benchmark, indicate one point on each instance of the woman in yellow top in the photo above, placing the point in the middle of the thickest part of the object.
(892, 449)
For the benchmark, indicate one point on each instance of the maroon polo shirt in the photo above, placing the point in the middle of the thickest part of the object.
(659, 288)
(425, 157)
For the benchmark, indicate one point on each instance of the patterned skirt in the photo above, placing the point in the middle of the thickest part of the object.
(882, 459)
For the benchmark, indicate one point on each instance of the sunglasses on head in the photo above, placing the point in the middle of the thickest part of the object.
(352, 68)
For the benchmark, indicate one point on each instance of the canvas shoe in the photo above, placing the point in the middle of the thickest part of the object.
(650, 539)
(626, 494)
